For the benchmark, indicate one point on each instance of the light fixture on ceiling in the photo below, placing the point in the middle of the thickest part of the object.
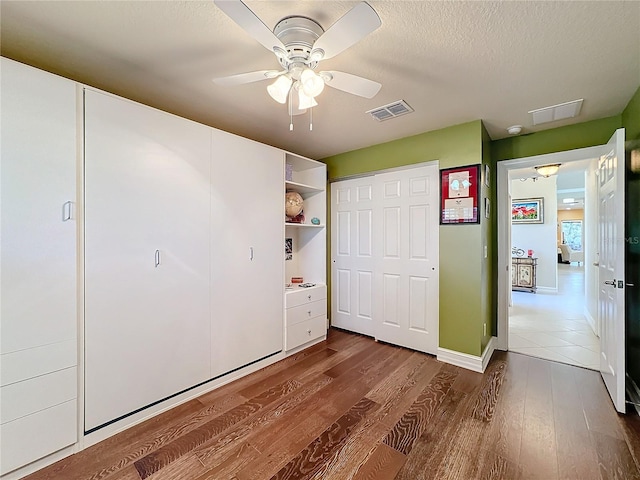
(548, 170)
(568, 200)
(514, 129)
(279, 90)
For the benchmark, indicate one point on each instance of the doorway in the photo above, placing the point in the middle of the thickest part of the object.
(567, 283)
(549, 320)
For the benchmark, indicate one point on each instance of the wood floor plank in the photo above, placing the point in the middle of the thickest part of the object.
(170, 452)
(538, 456)
(577, 457)
(383, 464)
(222, 454)
(505, 433)
(407, 430)
(614, 458)
(312, 457)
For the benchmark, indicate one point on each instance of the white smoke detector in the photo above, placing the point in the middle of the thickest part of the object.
(514, 129)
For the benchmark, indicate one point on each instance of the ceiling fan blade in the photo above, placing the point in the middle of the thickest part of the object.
(352, 27)
(245, 18)
(249, 77)
(352, 84)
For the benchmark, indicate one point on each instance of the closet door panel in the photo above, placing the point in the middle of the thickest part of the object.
(38, 188)
(147, 256)
(247, 277)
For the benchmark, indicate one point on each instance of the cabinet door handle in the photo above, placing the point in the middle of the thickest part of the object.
(66, 211)
(309, 312)
(309, 332)
(251, 253)
(157, 258)
(309, 297)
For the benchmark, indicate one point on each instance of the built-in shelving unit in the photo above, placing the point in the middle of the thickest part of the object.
(308, 252)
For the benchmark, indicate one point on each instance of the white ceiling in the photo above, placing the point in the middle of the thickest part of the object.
(453, 62)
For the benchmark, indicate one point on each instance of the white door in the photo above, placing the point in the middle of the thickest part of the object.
(406, 258)
(352, 247)
(247, 277)
(611, 275)
(147, 201)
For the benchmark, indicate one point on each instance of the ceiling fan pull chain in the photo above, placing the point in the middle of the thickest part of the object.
(311, 119)
(290, 112)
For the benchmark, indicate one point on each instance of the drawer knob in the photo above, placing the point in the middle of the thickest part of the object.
(309, 297)
(309, 332)
(309, 312)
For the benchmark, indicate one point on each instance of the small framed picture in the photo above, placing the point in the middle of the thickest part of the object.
(288, 249)
(487, 208)
(487, 175)
(527, 210)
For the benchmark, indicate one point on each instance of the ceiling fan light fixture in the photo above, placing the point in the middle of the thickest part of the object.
(548, 170)
(312, 83)
(305, 101)
(280, 88)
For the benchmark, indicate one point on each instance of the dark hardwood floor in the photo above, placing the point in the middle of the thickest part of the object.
(351, 408)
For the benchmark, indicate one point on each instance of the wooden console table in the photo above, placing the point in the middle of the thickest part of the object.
(523, 274)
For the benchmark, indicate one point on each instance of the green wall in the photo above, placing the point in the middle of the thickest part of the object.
(631, 117)
(464, 301)
(580, 135)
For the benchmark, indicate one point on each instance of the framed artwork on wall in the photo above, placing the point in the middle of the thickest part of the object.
(527, 210)
(459, 195)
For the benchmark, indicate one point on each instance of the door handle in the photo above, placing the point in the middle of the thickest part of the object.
(157, 258)
(610, 282)
(66, 211)
(596, 264)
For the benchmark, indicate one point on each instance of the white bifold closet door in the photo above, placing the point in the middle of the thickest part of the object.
(247, 251)
(385, 256)
(147, 202)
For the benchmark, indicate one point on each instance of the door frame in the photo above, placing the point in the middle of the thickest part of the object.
(504, 214)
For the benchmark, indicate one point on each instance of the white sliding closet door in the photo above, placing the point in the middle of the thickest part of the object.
(147, 193)
(352, 250)
(384, 247)
(247, 252)
(406, 279)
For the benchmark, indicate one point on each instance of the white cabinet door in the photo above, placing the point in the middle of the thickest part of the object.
(38, 274)
(147, 197)
(247, 252)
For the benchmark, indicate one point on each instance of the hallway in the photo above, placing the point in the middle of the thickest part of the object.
(553, 326)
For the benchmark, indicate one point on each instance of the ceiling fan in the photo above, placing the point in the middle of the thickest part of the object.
(300, 43)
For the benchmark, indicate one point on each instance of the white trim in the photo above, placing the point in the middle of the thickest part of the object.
(470, 362)
(590, 320)
(547, 289)
(503, 211)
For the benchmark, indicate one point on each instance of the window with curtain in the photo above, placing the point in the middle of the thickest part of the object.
(572, 234)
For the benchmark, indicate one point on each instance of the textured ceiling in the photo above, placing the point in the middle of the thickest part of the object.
(453, 62)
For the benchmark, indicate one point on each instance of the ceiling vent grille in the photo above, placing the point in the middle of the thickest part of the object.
(391, 110)
(556, 112)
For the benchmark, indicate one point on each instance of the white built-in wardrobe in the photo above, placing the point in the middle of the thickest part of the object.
(176, 232)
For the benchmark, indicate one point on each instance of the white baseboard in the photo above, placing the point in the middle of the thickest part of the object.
(470, 362)
(547, 289)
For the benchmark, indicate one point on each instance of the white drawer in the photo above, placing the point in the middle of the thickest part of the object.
(306, 331)
(305, 295)
(32, 362)
(35, 436)
(30, 396)
(306, 312)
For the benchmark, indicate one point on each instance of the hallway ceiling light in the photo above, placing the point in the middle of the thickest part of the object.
(568, 200)
(548, 170)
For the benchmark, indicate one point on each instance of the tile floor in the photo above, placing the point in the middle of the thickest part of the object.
(552, 325)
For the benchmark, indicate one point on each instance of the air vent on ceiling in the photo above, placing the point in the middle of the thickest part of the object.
(556, 112)
(391, 110)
